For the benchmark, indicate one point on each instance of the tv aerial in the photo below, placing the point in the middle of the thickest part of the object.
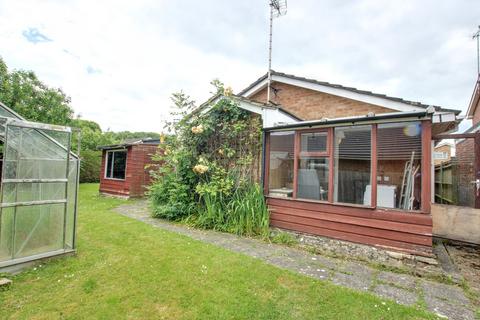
(278, 8)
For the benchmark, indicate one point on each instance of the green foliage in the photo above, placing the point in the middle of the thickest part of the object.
(90, 166)
(244, 213)
(28, 96)
(285, 238)
(206, 177)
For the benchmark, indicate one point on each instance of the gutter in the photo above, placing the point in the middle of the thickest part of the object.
(352, 120)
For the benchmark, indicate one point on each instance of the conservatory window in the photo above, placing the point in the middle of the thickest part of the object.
(313, 166)
(116, 164)
(353, 165)
(281, 163)
(399, 165)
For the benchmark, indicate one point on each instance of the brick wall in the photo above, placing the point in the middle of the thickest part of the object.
(444, 148)
(313, 105)
(465, 174)
(476, 115)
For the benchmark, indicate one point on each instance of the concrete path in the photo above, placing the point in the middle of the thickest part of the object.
(444, 300)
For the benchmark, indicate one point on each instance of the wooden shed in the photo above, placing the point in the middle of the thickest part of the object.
(126, 167)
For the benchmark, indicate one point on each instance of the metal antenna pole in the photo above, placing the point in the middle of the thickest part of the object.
(269, 75)
(477, 35)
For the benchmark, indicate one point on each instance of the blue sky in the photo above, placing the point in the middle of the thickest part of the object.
(121, 60)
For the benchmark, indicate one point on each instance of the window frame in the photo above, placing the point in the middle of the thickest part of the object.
(112, 152)
(327, 154)
(373, 167)
(426, 161)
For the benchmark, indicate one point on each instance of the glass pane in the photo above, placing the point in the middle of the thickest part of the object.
(6, 232)
(72, 190)
(353, 165)
(313, 142)
(398, 170)
(313, 178)
(109, 164)
(119, 164)
(454, 175)
(280, 177)
(33, 154)
(19, 192)
(38, 229)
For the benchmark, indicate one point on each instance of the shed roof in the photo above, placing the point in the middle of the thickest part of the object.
(130, 142)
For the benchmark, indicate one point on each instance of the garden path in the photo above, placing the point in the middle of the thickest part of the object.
(441, 299)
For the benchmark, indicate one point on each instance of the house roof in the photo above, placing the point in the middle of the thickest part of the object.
(339, 89)
(474, 100)
(130, 142)
(240, 98)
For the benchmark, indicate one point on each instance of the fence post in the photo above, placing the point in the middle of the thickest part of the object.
(476, 154)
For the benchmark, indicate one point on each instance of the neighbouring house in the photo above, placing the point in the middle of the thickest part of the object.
(346, 163)
(126, 167)
(443, 152)
(461, 183)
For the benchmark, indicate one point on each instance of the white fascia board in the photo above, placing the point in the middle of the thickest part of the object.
(378, 101)
(241, 104)
(274, 117)
(270, 116)
(439, 117)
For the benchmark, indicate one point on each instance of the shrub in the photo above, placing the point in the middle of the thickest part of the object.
(207, 174)
(90, 164)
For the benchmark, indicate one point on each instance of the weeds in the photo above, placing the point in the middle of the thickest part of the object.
(284, 238)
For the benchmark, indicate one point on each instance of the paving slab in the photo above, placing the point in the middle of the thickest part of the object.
(449, 310)
(352, 281)
(398, 295)
(399, 280)
(452, 294)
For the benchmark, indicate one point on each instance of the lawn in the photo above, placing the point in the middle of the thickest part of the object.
(127, 269)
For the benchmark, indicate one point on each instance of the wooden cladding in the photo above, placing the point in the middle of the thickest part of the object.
(386, 229)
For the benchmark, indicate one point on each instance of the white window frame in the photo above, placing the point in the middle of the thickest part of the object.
(440, 155)
(113, 158)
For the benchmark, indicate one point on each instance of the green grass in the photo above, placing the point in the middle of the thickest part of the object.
(128, 269)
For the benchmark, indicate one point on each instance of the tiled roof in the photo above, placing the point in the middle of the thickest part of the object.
(351, 89)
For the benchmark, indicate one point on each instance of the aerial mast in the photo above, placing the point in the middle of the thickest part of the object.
(476, 35)
(277, 8)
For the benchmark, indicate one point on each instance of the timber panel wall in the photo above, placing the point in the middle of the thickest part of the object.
(386, 229)
(137, 176)
(113, 186)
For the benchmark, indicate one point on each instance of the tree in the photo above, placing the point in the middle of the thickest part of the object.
(23, 92)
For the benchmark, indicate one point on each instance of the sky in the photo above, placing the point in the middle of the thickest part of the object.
(120, 61)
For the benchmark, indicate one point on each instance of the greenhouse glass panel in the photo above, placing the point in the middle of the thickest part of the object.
(39, 191)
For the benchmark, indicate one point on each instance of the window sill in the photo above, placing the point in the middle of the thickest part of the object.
(337, 204)
(114, 179)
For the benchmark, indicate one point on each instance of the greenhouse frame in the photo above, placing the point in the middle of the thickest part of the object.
(38, 190)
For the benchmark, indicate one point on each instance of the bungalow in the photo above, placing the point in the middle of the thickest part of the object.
(346, 163)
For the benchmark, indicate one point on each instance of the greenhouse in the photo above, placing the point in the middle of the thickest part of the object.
(38, 197)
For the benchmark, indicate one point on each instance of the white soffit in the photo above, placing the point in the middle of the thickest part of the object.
(383, 102)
